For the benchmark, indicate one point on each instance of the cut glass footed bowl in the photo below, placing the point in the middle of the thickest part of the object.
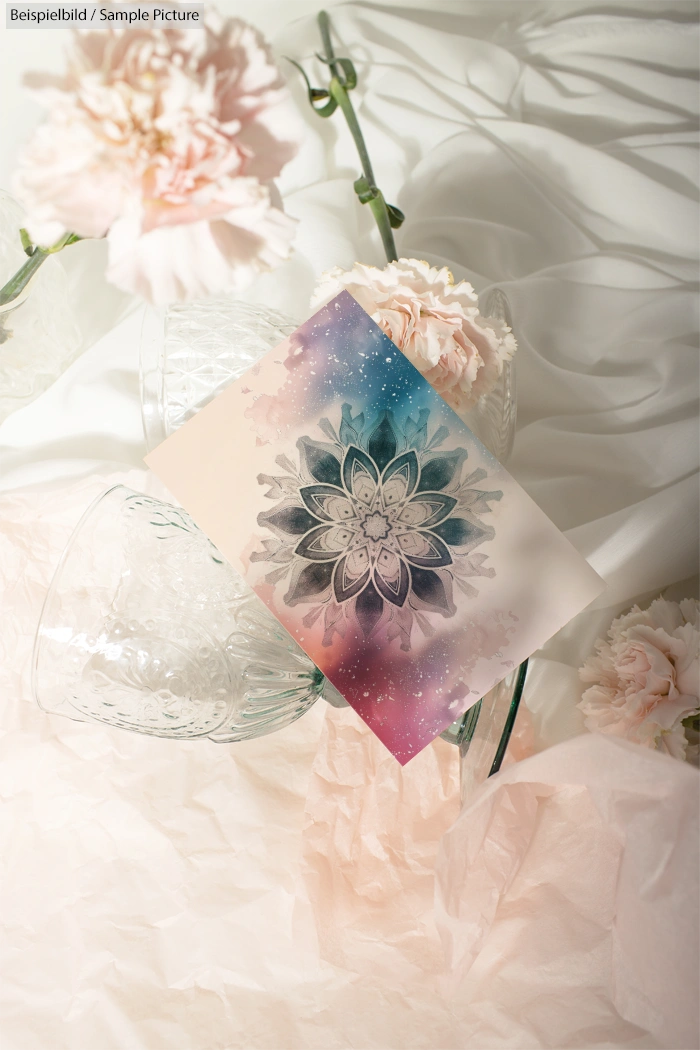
(145, 627)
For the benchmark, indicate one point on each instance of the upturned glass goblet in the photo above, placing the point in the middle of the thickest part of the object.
(147, 628)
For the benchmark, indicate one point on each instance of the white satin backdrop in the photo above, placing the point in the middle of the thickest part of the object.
(280, 893)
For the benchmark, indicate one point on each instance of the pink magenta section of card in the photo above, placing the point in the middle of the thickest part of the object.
(408, 564)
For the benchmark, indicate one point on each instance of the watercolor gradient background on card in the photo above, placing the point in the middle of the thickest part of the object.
(394, 548)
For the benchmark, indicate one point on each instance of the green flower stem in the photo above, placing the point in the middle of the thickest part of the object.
(21, 279)
(381, 217)
(377, 202)
(324, 24)
(17, 283)
(339, 94)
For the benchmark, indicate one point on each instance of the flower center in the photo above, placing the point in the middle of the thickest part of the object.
(376, 526)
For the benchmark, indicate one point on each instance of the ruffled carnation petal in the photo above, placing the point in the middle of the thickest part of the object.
(63, 183)
(645, 676)
(195, 259)
(155, 127)
(434, 322)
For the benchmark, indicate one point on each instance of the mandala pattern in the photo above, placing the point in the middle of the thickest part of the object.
(376, 526)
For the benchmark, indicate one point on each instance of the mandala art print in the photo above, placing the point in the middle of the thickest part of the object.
(402, 557)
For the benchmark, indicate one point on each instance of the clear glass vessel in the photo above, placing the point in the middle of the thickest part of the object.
(190, 352)
(39, 337)
(147, 628)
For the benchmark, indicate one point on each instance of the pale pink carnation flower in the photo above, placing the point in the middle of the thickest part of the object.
(164, 140)
(646, 676)
(435, 322)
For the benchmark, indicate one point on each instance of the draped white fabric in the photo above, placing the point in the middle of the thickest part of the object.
(152, 893)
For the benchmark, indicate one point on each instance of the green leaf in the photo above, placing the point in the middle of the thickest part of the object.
(349, 79)
(350, 75)
(364, 191)
(316, 94)
(396, 216)
(26, 242)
